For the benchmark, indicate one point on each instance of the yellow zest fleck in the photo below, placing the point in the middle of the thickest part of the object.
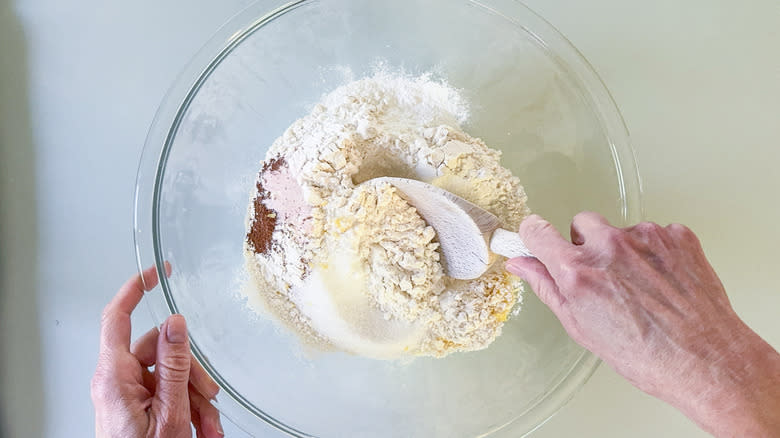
(342, 224)
(501, 317)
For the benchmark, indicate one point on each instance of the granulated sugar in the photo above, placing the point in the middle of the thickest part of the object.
(346, 262)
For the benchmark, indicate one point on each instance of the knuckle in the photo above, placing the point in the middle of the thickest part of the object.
(613, 237)
(107, 316)
(98, 387)
(172, 423)
(679, 229)
(683, 235)
(95, 390)
(647, 227)
(644, 233)
(174, 366)
(572, 276)
(208, 387)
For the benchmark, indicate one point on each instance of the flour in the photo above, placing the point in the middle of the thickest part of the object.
(349, 264)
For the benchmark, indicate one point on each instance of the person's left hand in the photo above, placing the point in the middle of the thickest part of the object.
(132, 401)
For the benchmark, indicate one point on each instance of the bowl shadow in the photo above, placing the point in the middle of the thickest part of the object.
(20, 343)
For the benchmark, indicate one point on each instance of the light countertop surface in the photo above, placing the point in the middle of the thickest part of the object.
(698, 83)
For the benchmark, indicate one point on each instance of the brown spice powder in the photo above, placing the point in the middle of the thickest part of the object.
(263, 223)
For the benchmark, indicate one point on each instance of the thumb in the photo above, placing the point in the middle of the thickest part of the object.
(536, 275)
(172, 372)
(544, 242)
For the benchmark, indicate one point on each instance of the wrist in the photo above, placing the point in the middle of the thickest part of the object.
(735, 392)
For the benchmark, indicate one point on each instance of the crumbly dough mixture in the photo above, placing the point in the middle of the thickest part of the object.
(346, 262)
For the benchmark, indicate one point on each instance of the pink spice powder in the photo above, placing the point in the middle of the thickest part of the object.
(286, 198)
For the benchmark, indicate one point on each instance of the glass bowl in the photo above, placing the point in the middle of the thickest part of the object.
(532, 96)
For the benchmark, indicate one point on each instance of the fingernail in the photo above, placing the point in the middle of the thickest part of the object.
(176, 332)
(219, 428)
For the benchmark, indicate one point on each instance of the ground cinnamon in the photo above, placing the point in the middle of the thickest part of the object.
(263, 223)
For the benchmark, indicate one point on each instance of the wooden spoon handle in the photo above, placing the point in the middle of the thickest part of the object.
(508, 244)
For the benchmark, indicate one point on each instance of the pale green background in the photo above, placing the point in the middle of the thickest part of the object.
(698, 82)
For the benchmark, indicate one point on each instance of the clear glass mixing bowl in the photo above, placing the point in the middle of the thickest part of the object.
(532, 95)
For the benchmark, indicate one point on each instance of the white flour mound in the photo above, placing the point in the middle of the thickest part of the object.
(350, 264)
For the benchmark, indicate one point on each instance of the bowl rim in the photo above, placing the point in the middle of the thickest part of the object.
(176, 101)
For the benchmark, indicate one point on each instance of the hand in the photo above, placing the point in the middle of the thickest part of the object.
(646, 300)
(130, 400)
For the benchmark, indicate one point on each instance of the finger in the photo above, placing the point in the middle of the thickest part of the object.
(208, 415)
(587, 224)
(544, 241)
(115, 323)
(145, 348)
(172, 372)
(132, 291)
(195, 420)
(201, 380)
(536, 275)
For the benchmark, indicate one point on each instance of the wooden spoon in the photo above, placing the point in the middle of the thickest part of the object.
(467, 233)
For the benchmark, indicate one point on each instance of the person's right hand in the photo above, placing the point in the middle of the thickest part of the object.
(646, 300)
